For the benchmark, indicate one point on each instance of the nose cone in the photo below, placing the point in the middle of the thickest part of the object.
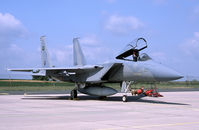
(162, 73)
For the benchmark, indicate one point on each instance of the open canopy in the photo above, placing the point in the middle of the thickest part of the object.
(135, 46)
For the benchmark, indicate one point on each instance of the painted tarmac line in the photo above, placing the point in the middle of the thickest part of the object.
(155, 125)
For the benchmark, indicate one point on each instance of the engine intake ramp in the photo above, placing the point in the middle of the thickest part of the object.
(105, 73)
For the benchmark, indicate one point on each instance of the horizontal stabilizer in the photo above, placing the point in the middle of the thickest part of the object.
(23, 69)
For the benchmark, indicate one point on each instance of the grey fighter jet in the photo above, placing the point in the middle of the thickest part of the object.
(130, 67)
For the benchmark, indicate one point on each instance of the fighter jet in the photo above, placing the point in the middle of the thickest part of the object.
(130, 67)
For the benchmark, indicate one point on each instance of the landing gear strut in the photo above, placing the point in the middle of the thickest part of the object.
(124, 89)
(73, 94)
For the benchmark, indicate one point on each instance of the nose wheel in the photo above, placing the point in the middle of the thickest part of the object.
(124, 98)
(124, 89)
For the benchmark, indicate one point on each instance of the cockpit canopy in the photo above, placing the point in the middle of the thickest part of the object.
(144, 57)
(133, 49)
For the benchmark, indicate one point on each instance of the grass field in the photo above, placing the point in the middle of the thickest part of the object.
(34, 85)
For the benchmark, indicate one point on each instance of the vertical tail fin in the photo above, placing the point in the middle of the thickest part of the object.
(45, 61)
(78, 55)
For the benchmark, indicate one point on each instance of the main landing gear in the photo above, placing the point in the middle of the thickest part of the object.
(73, 94)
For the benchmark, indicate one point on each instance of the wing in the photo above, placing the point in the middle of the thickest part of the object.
(56, 69)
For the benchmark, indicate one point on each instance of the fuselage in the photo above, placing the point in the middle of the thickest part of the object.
(145, 71)
(140, 71)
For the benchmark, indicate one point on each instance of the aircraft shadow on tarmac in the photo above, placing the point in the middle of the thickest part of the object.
(114, 98)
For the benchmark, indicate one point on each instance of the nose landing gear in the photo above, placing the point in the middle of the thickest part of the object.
(124, 89)
(124, 98)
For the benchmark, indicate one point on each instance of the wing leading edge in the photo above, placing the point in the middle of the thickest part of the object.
(70, 69)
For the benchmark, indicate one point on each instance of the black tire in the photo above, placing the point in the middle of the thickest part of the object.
(102, 97)
(124, 98)
(73, 94)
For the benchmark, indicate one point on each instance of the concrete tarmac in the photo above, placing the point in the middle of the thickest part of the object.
(174, 111)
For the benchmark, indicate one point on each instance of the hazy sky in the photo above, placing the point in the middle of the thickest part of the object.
(171, 28)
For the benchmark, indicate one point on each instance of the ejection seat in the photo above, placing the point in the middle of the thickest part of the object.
(133, 49)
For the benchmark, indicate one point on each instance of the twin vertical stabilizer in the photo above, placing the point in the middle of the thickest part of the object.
(79, 59)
